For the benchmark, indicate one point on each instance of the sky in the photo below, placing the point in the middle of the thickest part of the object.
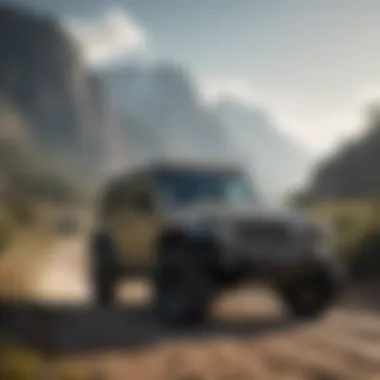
(312, 64)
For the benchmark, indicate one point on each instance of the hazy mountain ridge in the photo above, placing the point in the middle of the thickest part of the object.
(349, 172)
(277, 162)
(44, 81)
(165, 113)
(162, 101)
(97, 122)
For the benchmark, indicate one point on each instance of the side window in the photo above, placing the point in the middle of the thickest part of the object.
(114, 199)
(126, 196)
(142, 202)
(344, 223)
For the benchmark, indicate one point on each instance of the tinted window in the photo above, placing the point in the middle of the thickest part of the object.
(181, 188)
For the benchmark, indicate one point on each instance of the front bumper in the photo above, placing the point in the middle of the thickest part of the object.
(284, 267)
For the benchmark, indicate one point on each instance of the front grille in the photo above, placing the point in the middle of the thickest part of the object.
(261, 232)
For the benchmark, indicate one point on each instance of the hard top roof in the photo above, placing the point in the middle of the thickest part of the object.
(193, 165)
(189, 165)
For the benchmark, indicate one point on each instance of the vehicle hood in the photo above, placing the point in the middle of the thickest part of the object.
(219, 212)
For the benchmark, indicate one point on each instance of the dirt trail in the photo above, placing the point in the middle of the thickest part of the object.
(62, 275)
(247, 338)
(20, 264)
(258, 345)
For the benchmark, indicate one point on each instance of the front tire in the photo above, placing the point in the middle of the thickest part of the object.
(183, 290)
(104, 286)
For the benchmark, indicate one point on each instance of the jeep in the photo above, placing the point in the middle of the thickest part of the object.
(198, 229)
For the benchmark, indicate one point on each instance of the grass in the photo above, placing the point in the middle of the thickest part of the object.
(14, 216)
(356, 224)
(19, 363)
(8, 230)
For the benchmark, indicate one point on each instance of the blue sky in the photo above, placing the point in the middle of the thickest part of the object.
(311, 63)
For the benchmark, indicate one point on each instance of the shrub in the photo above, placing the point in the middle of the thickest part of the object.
(7, 230)
(364, 258)
(22, 211)
(19, 363)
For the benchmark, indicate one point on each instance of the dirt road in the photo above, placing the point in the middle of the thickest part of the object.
(246, 338)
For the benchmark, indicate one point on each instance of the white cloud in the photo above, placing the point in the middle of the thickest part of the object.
(369, 95)
(215, 89)
(319, 129)
(113, 36)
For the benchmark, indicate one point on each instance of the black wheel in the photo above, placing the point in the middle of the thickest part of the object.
(183, 291)
(309, 297)
(104, 287)
(104, 270)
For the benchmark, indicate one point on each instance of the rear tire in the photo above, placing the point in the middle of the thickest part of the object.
(309, 298)
(104, 270)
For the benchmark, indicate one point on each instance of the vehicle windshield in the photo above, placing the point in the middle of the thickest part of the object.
(184, 188)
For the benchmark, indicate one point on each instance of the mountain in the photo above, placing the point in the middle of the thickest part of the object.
(87, 124)
(162, 112)
(44, 83)
(351, 171)
(276, 162)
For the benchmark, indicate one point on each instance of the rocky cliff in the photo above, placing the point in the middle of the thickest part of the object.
(351, 171)
(51, 103)
(44, 83)
(163, 113)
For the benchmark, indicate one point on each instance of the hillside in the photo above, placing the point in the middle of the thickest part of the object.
(81, 122)
(44, 83)
(278, 164)
(350, 171)
(163, 113)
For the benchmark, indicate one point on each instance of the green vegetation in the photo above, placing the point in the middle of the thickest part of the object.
(20, 203)
(19, 363)
(23, 211)
(15, 214)
(364, 258)
(7, 230)
(356, 224)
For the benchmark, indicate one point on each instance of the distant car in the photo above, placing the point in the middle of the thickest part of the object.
(197, 230)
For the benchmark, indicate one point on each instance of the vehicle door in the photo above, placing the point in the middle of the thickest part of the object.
(140, 224)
